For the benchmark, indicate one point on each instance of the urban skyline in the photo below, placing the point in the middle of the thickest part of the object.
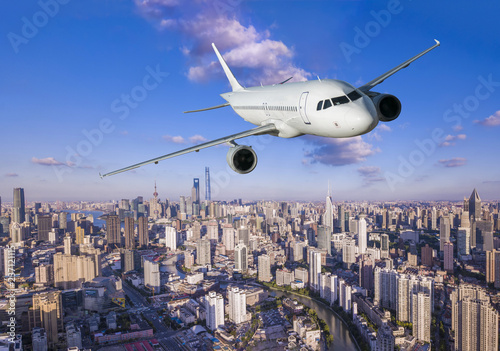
(76, 75)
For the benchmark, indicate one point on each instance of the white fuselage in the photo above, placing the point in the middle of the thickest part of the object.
(295, 108)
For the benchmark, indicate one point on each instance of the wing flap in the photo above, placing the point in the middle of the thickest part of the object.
(368, 86)
(265, 129)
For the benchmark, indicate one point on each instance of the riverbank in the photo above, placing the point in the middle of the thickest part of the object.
(319, 302)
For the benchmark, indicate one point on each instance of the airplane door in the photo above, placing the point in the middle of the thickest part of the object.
(302, 107)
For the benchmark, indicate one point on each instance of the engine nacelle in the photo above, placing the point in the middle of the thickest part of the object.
(242, 159)
(388, 107)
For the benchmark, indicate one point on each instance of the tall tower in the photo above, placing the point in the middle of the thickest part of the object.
(19, 214)
(475, 205)
(240, 258)
(113, 234)
(328, 217)
(195, 196)
(214, 306)
(237, 305)
(44, 227)
(362, 235)
(325, 238)
(143, 231)
(208, 191)
(203, 254)
(444, 232)
(314, 269)
(265, 268)
(129, 233)
(171, 238)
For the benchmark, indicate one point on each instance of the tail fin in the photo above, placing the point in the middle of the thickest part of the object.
(230, 76)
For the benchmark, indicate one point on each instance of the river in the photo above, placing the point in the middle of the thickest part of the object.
(172, 266)
(341, 338)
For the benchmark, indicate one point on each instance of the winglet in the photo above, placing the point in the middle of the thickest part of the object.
(230, 76)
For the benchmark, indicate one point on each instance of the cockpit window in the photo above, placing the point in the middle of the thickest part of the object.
(320, 105)
(327, 104)
(354, 95)
(340, 100)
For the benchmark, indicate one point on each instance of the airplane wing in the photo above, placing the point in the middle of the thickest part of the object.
(265, 129)
(368, 86)
(208, 108)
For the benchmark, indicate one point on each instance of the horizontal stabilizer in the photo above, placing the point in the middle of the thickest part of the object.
(209, 108)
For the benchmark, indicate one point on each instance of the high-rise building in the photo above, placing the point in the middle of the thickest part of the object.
(448, 257)
(171, 238)
(474, 319)
(79, 235)
(63, 220)
(385, 288)
(427, 259)
(314, 269)
(340, 219)
(73, 336)
(208, 191)
(44, 274)
(16, 233)
(67, 244)
(128, 260)
(203, 255)
(408, 285)
(366, 273)
(345, 296)
(214, 307)
(44, 227)
(129, 233)
(46, 313)
(444, 232)
(493, 267)
(213, 231)
(195, 196)
(142, 229)
(243, 235)
(362, 235)
(422, 316)
(152, 275)
(113, 232)
(463, 241)
(384, 246)
(241, 257)
(385, 338)
(228, 236)
(237, 305)
(70, 270)
(475, 205)
(328, 287)
(19, 208)
(325, 238)
(264, 268)
(328, 216)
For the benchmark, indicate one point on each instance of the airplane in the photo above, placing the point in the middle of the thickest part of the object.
(323, 107)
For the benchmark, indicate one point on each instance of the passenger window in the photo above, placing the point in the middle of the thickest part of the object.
(320, 104)
(327, 104)
(353, 95)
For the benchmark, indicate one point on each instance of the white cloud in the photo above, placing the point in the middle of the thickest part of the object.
(196, 139)
(174, 139)
(48, 161)
(491, 121)
(449, 140)
(338, 152)
(453, 162)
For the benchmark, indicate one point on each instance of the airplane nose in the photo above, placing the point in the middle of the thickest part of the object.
(360, 121)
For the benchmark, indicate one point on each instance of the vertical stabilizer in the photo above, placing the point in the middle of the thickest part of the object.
(230, 76)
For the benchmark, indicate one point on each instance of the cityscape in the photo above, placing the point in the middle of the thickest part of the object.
(194, 274)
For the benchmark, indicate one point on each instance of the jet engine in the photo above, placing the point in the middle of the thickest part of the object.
(242, 159)
(388, 107)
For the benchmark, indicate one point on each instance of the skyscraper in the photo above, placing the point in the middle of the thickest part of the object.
(67, 245)
(264, 268)
(19, 208)
(366, 273)
(171, 238)
(44, 227)
(493, 267)
(113, 232)
(384, 246)
(208, 191)
(240, 257)
(474, 319)
(444, 232)
(448, 257)
(46, 313)
(203, 252)
(152, 275)
(422, 316)
(325, 238)
(243, 235)
(213, 231)
(328, 216)
(142, 229)
(237, 305)
(128, 258)
(228, 236)
(129, 233)
(214, 307)
(195, 196)
(362, 235)
(314, 269)
(463, 241)
(385, 287)
(427, 259)
(475, 205)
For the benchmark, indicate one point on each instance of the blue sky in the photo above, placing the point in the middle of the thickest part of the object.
(93, 86)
